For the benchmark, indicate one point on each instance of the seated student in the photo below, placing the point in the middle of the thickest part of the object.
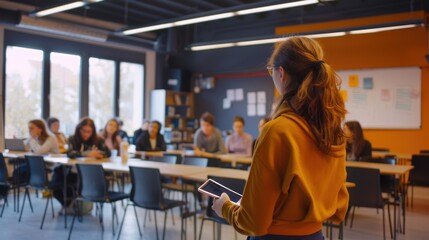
(123, 134)
(140, 131)
(239, 142)
(260, 125)
(54, 127)
(208, 139)
(151, 140)
(40, 141)
(84, 143)
(110, 135)
(358, 148)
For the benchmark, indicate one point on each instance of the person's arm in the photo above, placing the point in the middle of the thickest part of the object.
(161, 143)
(249, 218)
(73, 151)
(221, 144)
(367, 151)
(249, 145)
(49, 146)
(228, 144)
(342, 204)
(102, 148)
(198, 141)
(140, 143)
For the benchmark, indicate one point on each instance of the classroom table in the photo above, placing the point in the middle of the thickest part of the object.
(234, 158)
(386, 169)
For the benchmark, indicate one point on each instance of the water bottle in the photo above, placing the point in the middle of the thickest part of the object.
(124, 152)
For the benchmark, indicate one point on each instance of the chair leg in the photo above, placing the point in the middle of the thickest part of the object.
(44, 214)
(29, 200)
(156, 226)
(390, 221)
(23, 203)
(201, 229)
(74, 218)
(353, 216)
(137, 220)
(165, 222)
(2, 209)
(384, 228)
(100, 217)
(122, 223)
(52, 204)
(113, 218)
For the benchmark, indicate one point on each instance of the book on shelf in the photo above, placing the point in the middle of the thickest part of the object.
(177, 99)
(171, 111)
(176, 136)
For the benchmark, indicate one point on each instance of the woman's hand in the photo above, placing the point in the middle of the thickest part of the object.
(218, 204)
(94, 153)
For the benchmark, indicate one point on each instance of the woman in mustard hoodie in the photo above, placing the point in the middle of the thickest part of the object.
(298, 174)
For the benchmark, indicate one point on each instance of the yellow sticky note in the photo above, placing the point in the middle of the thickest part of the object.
(353, 81)
(344, 95)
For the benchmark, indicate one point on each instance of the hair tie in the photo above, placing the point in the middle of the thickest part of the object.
(318, 63)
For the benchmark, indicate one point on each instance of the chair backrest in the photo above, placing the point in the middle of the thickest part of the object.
(179, 157)
(92, 182)
(196, 161)
(3, 170)
(38, 177)
(146, 188)
(388, 182)
(235, 184)
(367, 192)
(164, 159)
(214, 162)
(419, 175)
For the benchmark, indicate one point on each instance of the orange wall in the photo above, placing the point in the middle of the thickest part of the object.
(398, 48)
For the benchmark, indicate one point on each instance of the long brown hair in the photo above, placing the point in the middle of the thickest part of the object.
(44, 134)
(358, 143)
(312, 90)
(114, 135)
(85, 121)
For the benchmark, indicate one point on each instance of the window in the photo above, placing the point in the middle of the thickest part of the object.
(131, 96)
(101, 87)
(64, 94)
(23, 90)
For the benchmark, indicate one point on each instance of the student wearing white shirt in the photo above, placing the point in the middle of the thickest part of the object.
(40, 141)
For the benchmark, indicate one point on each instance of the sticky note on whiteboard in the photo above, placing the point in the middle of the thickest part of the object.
(344, 95)
(353, 81)
(368, 83)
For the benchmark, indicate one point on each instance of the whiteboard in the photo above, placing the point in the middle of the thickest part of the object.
(387, 98)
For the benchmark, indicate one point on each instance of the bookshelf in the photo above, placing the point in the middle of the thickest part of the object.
(175, 110)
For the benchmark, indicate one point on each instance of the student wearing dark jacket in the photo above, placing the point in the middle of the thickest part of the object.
(152, 140)
(84, 143)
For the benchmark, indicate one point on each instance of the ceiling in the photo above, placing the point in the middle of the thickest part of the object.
(113, 15)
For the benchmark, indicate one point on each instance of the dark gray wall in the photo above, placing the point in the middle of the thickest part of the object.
(212, 101)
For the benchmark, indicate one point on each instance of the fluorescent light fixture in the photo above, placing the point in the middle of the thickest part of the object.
(204, 19)
(381, 29)
(261, 41)
(148, 29)
(218, 16)
(63, 8)
(279, 39)
(276, 7)
(326, 35)
(213, 46)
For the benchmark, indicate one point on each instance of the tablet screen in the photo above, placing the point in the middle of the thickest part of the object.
(215, 189)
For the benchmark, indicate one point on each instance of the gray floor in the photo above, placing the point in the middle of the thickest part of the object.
(367, 224)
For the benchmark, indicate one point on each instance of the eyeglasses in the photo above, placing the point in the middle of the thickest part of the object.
(270, 69)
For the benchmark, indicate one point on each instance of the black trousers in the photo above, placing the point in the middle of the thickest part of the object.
(58, 180)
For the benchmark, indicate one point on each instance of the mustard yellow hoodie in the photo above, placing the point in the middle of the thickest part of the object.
(292, 187)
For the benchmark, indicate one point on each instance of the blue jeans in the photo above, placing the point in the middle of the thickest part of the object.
(315, 236)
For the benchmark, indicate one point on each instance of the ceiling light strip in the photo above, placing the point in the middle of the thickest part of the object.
(318, 35)
(219, 16)
(63, 8)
